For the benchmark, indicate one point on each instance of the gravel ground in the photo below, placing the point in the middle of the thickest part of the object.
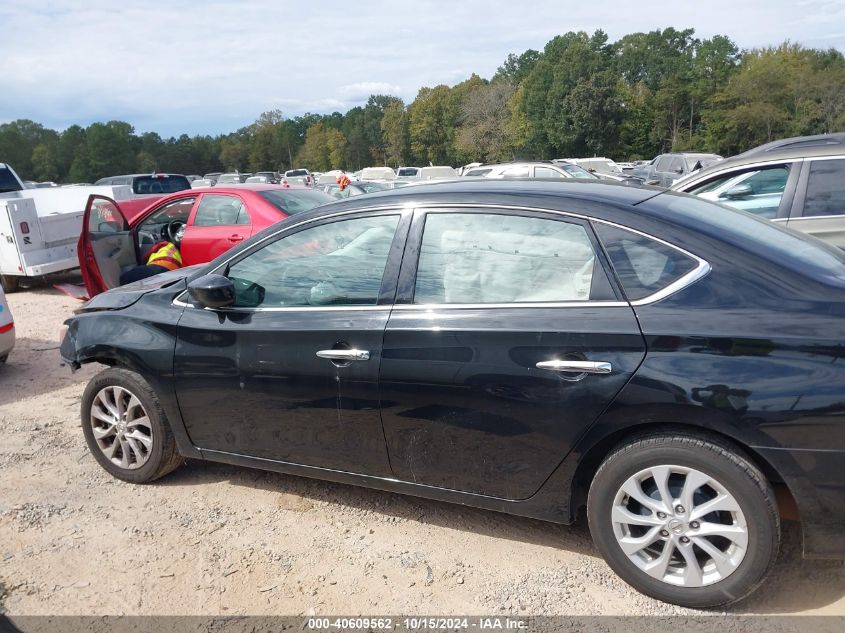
(217, 539)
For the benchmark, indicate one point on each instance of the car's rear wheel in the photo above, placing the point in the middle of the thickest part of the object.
(684, 519)
(126, 428)
(10, 283)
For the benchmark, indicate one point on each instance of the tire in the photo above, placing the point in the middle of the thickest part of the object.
(658, 561)
(146, 449)
(10, 283)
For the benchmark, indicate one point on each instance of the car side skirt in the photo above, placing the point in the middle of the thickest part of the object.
(552, 508)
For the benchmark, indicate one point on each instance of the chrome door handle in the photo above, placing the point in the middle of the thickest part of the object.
(576, 366)
(344, 354)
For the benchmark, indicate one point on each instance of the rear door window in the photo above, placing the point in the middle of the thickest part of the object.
(217, 210)
(479, 258)
(547, 172)
(516, 172)
(825, 188)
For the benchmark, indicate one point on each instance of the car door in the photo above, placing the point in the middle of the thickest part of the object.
(819, 207)
(290, 372)
(506, 343)
(106, 245)
(219, 222)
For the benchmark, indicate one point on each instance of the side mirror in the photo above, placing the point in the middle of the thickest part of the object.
(212, 291)
(738, 191)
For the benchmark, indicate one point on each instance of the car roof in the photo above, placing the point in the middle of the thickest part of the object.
(552, 194)
(157, 174)
(254, 187)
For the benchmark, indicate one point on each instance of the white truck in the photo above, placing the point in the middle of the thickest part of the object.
(39, 228)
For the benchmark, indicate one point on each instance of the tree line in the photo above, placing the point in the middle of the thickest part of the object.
(582, 95)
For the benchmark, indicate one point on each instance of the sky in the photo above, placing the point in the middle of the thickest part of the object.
(212, 67)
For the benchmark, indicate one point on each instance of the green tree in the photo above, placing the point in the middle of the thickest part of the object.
(314, 153)
(516, 67)
(110, 149)
(44, 163)
(18, 140)
(483, 134)
(427, 125)
(336, 147)
(394, 127)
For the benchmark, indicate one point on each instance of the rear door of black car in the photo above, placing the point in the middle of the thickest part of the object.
(507, 341)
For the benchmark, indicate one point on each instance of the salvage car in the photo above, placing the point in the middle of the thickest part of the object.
(669, 168)
(799, 182)
(7, 329)
(202, 223)
(536, 348)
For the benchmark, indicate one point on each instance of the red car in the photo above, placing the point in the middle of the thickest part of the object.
(202, 222)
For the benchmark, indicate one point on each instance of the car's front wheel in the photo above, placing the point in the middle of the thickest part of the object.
(684, 519)
(126, 428)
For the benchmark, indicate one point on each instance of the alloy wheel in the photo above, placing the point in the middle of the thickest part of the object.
(121, 427)
(680, 526)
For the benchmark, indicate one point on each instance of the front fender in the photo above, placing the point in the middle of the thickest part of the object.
(141, 338)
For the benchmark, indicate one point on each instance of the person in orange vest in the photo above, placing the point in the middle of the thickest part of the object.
(163, 256)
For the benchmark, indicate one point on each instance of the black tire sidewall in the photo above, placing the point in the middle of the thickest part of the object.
(9, 283)
(139, 387)
(752, 493)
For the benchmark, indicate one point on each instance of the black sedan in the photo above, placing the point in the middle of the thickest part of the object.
(665, 362)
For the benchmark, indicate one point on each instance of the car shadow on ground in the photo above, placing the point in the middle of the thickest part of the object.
(574, 538)
(34, 368)
(795, 584)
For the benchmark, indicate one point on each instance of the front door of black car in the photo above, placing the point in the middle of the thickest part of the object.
(290, 373)
(505, 345)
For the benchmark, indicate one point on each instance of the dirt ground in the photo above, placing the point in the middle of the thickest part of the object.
(218, 539)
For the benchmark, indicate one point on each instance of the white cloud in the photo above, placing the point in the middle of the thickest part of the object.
(361, 90)
(213, 66)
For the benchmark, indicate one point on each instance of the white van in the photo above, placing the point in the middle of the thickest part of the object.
(7, 329)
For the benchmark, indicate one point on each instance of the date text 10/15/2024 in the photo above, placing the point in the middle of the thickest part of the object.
(416, 624)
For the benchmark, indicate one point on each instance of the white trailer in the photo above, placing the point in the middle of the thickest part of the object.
(39, 229)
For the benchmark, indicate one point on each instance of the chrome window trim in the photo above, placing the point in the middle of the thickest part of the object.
(701, 270)
(367, 308)
(431, 307)
(813, 217)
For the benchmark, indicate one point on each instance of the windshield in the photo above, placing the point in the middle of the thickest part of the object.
(577, 172)
(370, 187)
(296, 172)
(292, 201)
(428, 173)
(159, 184)
(8, 182)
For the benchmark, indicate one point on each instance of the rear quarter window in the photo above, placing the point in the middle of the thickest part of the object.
(644, 266)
